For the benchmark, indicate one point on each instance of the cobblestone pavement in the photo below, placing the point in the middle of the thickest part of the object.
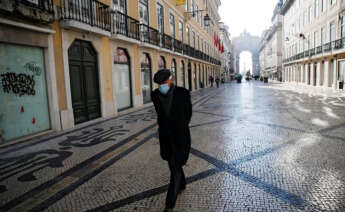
(255, 147)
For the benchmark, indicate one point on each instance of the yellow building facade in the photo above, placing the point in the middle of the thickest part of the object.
(102, 55)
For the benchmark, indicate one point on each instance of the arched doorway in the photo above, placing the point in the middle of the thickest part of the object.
(122, 80)
(146, 76)
(190, 86)
(161, 63)
(194, 78)
(83, 70)
(173, 70)
(183, 83)
(314, 74)
(309, 74)
(246, 63)
(205, 76)
(200, 80)
(247, 42)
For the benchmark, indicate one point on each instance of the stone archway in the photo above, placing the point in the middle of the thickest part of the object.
(247, 42)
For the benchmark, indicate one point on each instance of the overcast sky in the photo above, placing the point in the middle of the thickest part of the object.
(252, 15)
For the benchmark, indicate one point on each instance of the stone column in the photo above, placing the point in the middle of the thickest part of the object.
(318, 74)
(295, 70)
(301, 74)
(306, 73)
(327, 80)
(335, 78)
(312, 74)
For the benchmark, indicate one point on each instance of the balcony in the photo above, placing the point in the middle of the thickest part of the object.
(149, 35)
(88, 15)
(125, 26)
(178, 46)
(39, 10)
(327, 47)
(167, 42)
(319, 50)
(338, 44)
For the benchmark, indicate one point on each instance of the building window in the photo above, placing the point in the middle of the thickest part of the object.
(186, 6)
(143, 12)
(191, 5)
(333, 2)
(201, 19)
(323, 35)
(332, 31)
(198, 42)
(172, 25)
(160, 18)
(180, 29)
(315, 39)
(310, 14)
(120, 5)
(324, 5)
(342, 26)
(196, 14)
(316, 8)
(193, 39)
(188, 35)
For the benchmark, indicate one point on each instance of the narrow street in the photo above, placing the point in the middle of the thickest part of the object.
(255, 147)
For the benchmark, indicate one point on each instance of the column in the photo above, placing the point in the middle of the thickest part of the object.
(327, 80)
(306, 66)
(335, 78)
(312, 74)
(301, 74)
(318, 74)
(294, 79)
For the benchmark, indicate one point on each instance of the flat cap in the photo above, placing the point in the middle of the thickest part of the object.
(162, 76)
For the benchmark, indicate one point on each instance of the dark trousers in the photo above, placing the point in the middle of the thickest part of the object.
(177, 182)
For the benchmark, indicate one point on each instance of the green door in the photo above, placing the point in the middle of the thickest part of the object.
(84, 81)
(23, 95)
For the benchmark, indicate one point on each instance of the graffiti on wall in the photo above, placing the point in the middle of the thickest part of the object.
(34, 68)
(19, 84)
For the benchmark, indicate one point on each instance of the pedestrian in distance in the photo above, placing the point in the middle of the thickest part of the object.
(211, 80)
(217, 81)
(174, 112)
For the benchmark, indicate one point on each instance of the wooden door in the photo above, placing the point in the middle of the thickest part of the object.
(84, 81)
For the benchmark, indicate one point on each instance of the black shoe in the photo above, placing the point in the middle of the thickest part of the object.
(182, 188)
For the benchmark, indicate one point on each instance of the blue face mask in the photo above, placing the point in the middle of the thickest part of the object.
(164, 88)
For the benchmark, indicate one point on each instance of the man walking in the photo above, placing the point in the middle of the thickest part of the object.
(211, 80)
(174, 111)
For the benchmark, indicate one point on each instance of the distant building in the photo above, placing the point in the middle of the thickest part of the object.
(314, 32)
(227, 62)
(271, 46)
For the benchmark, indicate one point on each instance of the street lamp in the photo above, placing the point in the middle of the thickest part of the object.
(207, 20)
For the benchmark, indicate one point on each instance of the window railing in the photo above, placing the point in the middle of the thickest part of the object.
(319, 49)
(125, 25)
(333, 45)
(90, 12)
(339, 43)
(327, 47)
(149, 35)
(167, 41)
(178, 46)
(43, 5)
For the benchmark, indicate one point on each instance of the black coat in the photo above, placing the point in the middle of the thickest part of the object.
(174, 134)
